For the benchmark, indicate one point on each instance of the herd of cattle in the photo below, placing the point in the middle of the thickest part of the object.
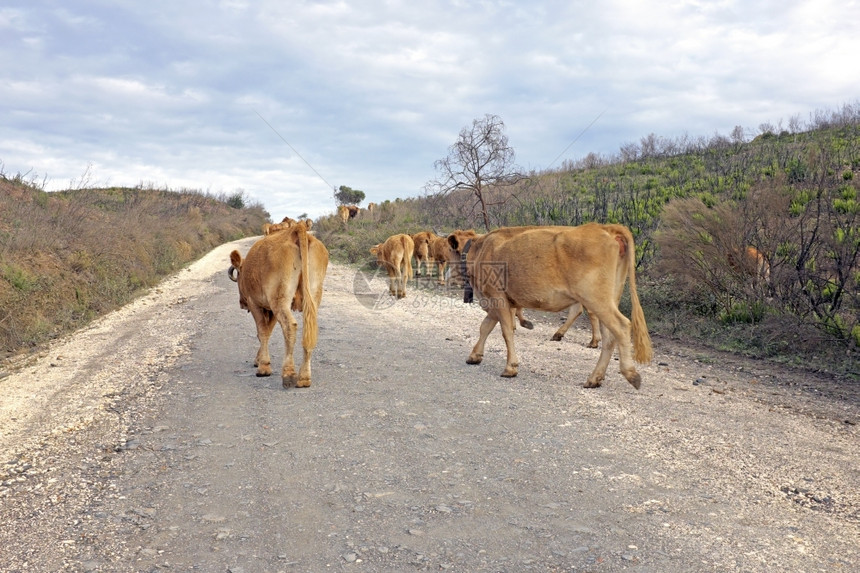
(506, 270)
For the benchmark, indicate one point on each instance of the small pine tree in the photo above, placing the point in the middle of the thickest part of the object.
(348, 196)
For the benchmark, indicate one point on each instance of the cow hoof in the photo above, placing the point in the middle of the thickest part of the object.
(593, 344)
(592, 384)
(509, 373)
(635, 380)
(263, 374)
(527, 324)
(303, 383)
(556, 337)
(474, 359)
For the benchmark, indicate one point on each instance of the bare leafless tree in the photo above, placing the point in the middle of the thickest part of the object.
(480, 166)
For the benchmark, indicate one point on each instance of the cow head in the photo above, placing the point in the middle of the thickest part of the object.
(457, 242)
(375, 250)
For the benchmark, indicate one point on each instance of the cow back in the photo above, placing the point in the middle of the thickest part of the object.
(547, 268)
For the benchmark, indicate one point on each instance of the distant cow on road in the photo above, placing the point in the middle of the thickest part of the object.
(396, 255)
(422, 241)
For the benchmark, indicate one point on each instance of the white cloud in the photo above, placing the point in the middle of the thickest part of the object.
(370, 93)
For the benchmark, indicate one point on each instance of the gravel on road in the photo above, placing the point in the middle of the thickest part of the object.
(145, 443)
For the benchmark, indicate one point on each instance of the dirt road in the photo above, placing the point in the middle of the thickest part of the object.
(146, 443)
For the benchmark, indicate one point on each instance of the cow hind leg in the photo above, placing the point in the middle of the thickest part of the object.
(572, 314)
(615, 329)
(396, 278)
(401, 280)
(507, 324)
(440, 273)
(305, 371)
(595, 379)
(304, 378)
(487, 326)
(290, 328)
(265, 322)
(524, 322)
(595, 331)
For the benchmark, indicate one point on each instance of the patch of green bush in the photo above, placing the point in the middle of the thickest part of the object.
(19, 278)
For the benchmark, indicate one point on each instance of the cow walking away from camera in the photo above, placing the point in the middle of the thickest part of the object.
(286, 223)
(552, 269)
(396, 255)
(283, 272)
(347, 212)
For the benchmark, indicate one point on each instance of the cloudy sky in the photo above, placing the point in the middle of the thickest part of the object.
(286, 99)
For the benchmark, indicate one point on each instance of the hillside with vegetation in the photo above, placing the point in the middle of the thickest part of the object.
(68, 257)
(695, 206)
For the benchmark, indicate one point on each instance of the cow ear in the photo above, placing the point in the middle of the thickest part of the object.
(236, 259)
(452, 240)
(309, 224)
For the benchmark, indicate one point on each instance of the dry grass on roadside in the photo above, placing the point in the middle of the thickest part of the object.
(67, 257)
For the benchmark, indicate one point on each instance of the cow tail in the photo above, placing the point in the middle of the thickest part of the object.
(642, 352)
(408, 265)
(309, 302)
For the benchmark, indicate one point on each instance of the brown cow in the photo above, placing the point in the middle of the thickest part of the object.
(396, 254)
(286, 223)
(343, 214)
(751, 262)
(281, 267)
(347, 212)
(446, 253)
(440, 252)
(553, 268)
(422, 242)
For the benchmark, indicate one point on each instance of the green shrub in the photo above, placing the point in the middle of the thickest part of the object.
(236, 200)
(744, 312)
(19, 278)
